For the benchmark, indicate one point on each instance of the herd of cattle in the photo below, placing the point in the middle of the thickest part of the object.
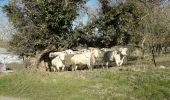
(86, 57)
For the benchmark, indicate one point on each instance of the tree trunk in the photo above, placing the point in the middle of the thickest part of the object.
(153, 56)
(41, 61)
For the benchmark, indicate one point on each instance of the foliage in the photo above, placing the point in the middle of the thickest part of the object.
(46, 23)
(117, 22)
(41, 23)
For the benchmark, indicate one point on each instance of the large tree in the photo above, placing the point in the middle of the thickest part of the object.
(40, 23)
(116, 22)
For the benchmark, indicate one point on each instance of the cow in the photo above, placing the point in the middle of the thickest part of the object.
(57, 63)
(86, 58)
(118, 55)
(69, 51)
(59, 54)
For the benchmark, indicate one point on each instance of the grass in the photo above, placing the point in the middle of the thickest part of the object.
(3, 44)
(15, 66)
(140, 81)
(100, 84)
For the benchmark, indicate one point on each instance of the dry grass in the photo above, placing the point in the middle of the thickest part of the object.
(3, 44)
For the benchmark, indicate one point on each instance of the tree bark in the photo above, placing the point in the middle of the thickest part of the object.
(153, 56)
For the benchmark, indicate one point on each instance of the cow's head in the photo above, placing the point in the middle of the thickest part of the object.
(69, 51)
(96, 52)
(123, 51)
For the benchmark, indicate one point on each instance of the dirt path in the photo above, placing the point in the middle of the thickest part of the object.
(10, 98)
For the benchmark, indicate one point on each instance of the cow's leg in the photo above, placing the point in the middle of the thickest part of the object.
(53, 68)
(58, 69)
(107, 64)
(121, 61)
(102, 65)
(75, 68)
(63, 67)
(90, 67)
(117, 62)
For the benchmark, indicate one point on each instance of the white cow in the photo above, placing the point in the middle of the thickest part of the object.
(86, 58)
(59, 54)
(69, 51)
(118, 55)
(103, 49)
(57, 64)
(123, 51)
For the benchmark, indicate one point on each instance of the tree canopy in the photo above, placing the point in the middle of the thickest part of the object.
(43, 23)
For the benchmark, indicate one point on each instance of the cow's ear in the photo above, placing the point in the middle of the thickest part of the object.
(117, 52)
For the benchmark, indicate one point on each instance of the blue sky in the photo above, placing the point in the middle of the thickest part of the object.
(83, 17)
(92, 2)
(4, 19)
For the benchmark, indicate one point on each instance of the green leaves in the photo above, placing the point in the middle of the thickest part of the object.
(49, 22)
(118, 20)
(42, 23)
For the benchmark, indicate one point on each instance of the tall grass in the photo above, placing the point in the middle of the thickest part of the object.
(100, 84)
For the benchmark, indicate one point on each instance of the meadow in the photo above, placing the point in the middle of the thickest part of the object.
(140, 81)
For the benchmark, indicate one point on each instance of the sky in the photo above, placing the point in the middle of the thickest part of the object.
(6, 28)
(92, 2)
(4, 19)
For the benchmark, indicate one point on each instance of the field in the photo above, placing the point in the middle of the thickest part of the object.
(140, 81)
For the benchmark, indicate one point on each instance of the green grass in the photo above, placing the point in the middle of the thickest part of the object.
(137, 80)
(99, 84)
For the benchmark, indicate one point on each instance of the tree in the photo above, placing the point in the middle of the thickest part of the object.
(42, 26)
(6, 31)
(41, 23)
(155, 26)
(117, 22)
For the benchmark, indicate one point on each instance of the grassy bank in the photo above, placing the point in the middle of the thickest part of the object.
(100, 84)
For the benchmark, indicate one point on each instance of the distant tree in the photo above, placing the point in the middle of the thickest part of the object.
(154, 26)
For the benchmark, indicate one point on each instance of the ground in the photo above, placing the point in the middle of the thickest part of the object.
(136, 80)
(114, 83)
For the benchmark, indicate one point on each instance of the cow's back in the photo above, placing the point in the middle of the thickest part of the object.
(108, 56)
(83, 58)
